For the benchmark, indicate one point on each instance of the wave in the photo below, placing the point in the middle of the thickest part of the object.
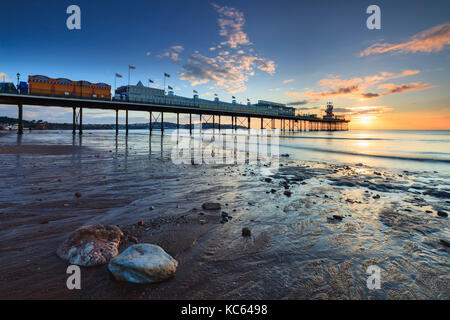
(373, 155)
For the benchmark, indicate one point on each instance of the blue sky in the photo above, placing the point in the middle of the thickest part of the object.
(286, 51)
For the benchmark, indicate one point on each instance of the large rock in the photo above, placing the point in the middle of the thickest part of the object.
(143, 263)
(91, 245)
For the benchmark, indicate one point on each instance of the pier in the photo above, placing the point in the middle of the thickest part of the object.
(156, 114)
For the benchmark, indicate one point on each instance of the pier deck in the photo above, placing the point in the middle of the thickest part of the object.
(294, 123)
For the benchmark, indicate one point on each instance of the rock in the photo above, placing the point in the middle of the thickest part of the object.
(141, 223)
(91, 245)
(335, 217)
(143, 263)
(202, 221)
(376, 197)
(268, 180)
(223, 220)
(285, 155)
(151, 208)
(273, 190)
(445, 243)
(78, 194)
(211, 206)
(441, 213)
(246, 232)
(287, 193)
(224, 214)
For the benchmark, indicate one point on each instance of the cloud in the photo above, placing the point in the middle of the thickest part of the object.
(148, 53)
(370, 95)
(288, 81)
(363, 110)
(392, 88)
(433, 39)
(358, 87)
(230, 67)
(298, 103)
(231, 21)
(172, 53)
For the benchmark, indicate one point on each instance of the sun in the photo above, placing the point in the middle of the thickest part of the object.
(365, 120)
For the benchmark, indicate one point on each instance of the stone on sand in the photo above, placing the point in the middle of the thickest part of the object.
(143, 263)
(211, 206)
(91, 245)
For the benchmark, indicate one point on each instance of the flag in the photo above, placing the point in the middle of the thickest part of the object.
(215, 94)
(150, 80)
(118, 75)
(233, 97)
(170, 88)
(131, 67)
(195, 91)
(166, 75)
(248, 99)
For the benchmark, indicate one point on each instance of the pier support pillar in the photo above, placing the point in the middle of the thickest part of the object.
(178, 121)
(214, 121)
(162, 123)
(126, 122)
(80, 129)
(20, 129)
(219, 121)
(74, 120)
(190, 123)
(117, 122)
(262, 123)
(150, 125)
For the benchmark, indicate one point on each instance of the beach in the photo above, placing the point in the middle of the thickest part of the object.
(314, 242)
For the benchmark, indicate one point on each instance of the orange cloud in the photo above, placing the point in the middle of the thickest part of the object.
(393, 88)
(357, 88)
(434, 39)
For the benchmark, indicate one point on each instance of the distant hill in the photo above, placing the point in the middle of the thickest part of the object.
(40, 124)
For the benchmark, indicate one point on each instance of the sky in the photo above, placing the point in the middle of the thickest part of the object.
(302, 53)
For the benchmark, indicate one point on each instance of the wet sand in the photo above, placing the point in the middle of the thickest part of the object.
(297, 249)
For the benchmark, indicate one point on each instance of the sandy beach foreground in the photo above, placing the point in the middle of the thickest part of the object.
(315, 243)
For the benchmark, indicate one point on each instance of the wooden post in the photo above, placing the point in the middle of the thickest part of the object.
(151, 124)
(126, 122)
(117, 121)
(20, 129)
(80, 129)
(74, 120)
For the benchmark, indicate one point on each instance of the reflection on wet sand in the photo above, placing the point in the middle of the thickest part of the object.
(298, 248)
